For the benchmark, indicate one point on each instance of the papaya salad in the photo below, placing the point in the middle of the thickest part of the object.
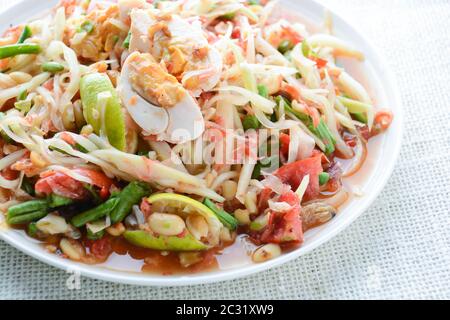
(167, 129)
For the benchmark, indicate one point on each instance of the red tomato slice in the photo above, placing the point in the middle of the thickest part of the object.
(293, 174)
(10, 174)
(101, 249)
(61, 185)
(285, 227)
(99, 179)
(285, 140)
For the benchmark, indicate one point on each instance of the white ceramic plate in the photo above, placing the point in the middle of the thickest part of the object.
(383, 152)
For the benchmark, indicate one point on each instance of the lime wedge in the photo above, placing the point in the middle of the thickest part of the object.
(111, 118)
(182, 206)
(147, 240)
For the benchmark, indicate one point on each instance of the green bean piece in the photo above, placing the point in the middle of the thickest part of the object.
(251, 122)
(253, 2)
(263, 91)
(94, 195)
(32, 229)
(20, 48)
(27, 217)
(95, 213)
(26, 33)
(27, 207)
(55, 201)
(130, 196)
(227, 219)
(126, 42)
(285, 46)
(94, 236)
(324, 177)
(27, 186)
(52, 67)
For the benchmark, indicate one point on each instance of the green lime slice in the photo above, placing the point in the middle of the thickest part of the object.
(182, 206)
(114, 120)
(147, 240)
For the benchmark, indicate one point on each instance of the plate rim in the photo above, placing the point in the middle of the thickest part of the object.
(142, 279)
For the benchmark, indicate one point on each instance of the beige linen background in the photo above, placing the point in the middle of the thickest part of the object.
(400, 248)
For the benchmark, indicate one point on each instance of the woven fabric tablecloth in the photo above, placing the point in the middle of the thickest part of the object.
(400, 248)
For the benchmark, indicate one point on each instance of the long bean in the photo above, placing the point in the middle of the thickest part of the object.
(27, 207)
(130, 196)
(19, 48)
(27, 217)
(53, 67)
(55, 201)
(95, 213)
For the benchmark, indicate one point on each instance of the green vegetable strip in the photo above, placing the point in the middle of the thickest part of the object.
(27, 207)
(129, 197)
(28, 217)
(95, 213)
(322, 131)
(32, 229)
(53, 67)
(27, 186)
(55, 201)
(251, 122)
(358, 109)
(227, 219)
(126, 42)
(26, 33)
(261, 164)
(324, 177)
(16, 49)
(80, 148)
(93, 193)
(263, 91)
